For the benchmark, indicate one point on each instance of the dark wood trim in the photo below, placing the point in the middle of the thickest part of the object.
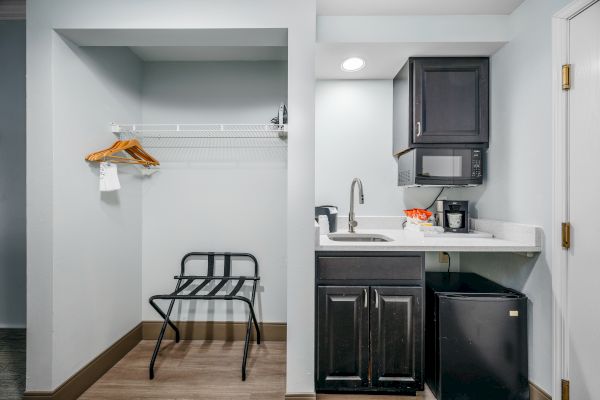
(213, 330)
(12, 10)
(537, 393)
(88, 375)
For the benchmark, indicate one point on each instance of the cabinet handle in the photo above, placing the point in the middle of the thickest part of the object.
(376, 299)
(366, 297)
(419, 128)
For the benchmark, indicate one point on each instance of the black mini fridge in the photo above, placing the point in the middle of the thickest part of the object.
(476, 339)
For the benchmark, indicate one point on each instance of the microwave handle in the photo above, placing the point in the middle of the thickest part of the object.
(419, 128)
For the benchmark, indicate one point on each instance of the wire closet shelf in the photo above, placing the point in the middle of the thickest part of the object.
(182, 136)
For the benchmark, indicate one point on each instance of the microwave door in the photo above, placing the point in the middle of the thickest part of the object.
(460, 165)
(435, 166)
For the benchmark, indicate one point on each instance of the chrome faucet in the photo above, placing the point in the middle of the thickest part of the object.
(361, 199)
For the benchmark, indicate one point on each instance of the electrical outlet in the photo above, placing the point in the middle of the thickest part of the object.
(443, 258)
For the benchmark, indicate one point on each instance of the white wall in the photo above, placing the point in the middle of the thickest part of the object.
(12, 175)
(353, 125)
(47, 364)
(97, 236)
(519, 170)
(218, 199)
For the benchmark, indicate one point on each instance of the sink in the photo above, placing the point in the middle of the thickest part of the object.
(359, 237)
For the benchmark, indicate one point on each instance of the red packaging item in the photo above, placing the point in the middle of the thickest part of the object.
(418, 214)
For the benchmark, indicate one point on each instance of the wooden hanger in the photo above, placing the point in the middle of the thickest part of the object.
(131, 147)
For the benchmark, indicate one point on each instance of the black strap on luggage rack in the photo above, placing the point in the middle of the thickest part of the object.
(184, 282)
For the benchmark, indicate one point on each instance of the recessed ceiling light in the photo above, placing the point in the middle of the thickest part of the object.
(353, 64)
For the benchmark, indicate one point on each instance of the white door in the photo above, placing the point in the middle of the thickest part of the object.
(584, 206)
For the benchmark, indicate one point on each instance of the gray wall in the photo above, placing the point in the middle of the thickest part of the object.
(519, 177)
(12, 174)
(221, 199)
(96, 236)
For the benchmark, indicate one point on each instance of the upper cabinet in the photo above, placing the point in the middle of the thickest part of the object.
(441, 102)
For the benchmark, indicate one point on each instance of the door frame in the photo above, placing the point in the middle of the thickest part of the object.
(560, 189)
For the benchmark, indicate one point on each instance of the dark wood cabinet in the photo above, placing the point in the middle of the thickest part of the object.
(343, 337)
(396, 320)
(450, 100)
(441, 101)
(369, 322)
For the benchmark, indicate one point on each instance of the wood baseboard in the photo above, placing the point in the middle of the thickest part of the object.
(537, 393)
(208, 330)
(85, 377)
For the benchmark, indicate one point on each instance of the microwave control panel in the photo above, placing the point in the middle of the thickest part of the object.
(476, 164)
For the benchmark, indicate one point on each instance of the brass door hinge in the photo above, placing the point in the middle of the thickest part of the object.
(566, 235)
(566, 76)
(564, 385)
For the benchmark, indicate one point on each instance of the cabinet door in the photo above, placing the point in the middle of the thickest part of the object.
(342, 337)
(397, 337)
(450, 100)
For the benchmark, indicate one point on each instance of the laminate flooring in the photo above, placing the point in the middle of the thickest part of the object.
(205, 370)
(12, 363)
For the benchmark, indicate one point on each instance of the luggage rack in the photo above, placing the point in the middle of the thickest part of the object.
(186, 290)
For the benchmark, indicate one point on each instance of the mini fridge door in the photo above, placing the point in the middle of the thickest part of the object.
(482, 344)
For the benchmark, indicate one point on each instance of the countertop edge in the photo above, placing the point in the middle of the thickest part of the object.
(508, 237)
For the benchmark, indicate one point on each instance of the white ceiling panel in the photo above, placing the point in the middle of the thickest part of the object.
(384, 60)
(177, 37)
(416, 7)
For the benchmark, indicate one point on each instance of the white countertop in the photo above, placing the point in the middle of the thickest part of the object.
(508, 237)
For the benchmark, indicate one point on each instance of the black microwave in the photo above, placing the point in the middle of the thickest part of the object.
(441, 167)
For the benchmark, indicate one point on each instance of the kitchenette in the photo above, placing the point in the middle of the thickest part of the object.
(388, 319)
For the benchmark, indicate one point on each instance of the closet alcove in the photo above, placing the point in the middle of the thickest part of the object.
(223, 193)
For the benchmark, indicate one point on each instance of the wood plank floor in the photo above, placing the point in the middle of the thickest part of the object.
(12, 363)
(204, 370)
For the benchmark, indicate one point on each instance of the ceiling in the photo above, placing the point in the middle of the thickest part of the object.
(177, 37)
(384, 60)
(189, 44)
(416, 7)
(15, 9)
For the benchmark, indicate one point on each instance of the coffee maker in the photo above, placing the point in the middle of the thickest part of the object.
(453, 215)
(331, 212)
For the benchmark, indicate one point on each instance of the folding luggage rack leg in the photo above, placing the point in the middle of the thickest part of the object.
(252, 316)
(162, 332)
(212, 295)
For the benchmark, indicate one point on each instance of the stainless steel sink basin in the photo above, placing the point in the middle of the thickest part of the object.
(359, 237)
